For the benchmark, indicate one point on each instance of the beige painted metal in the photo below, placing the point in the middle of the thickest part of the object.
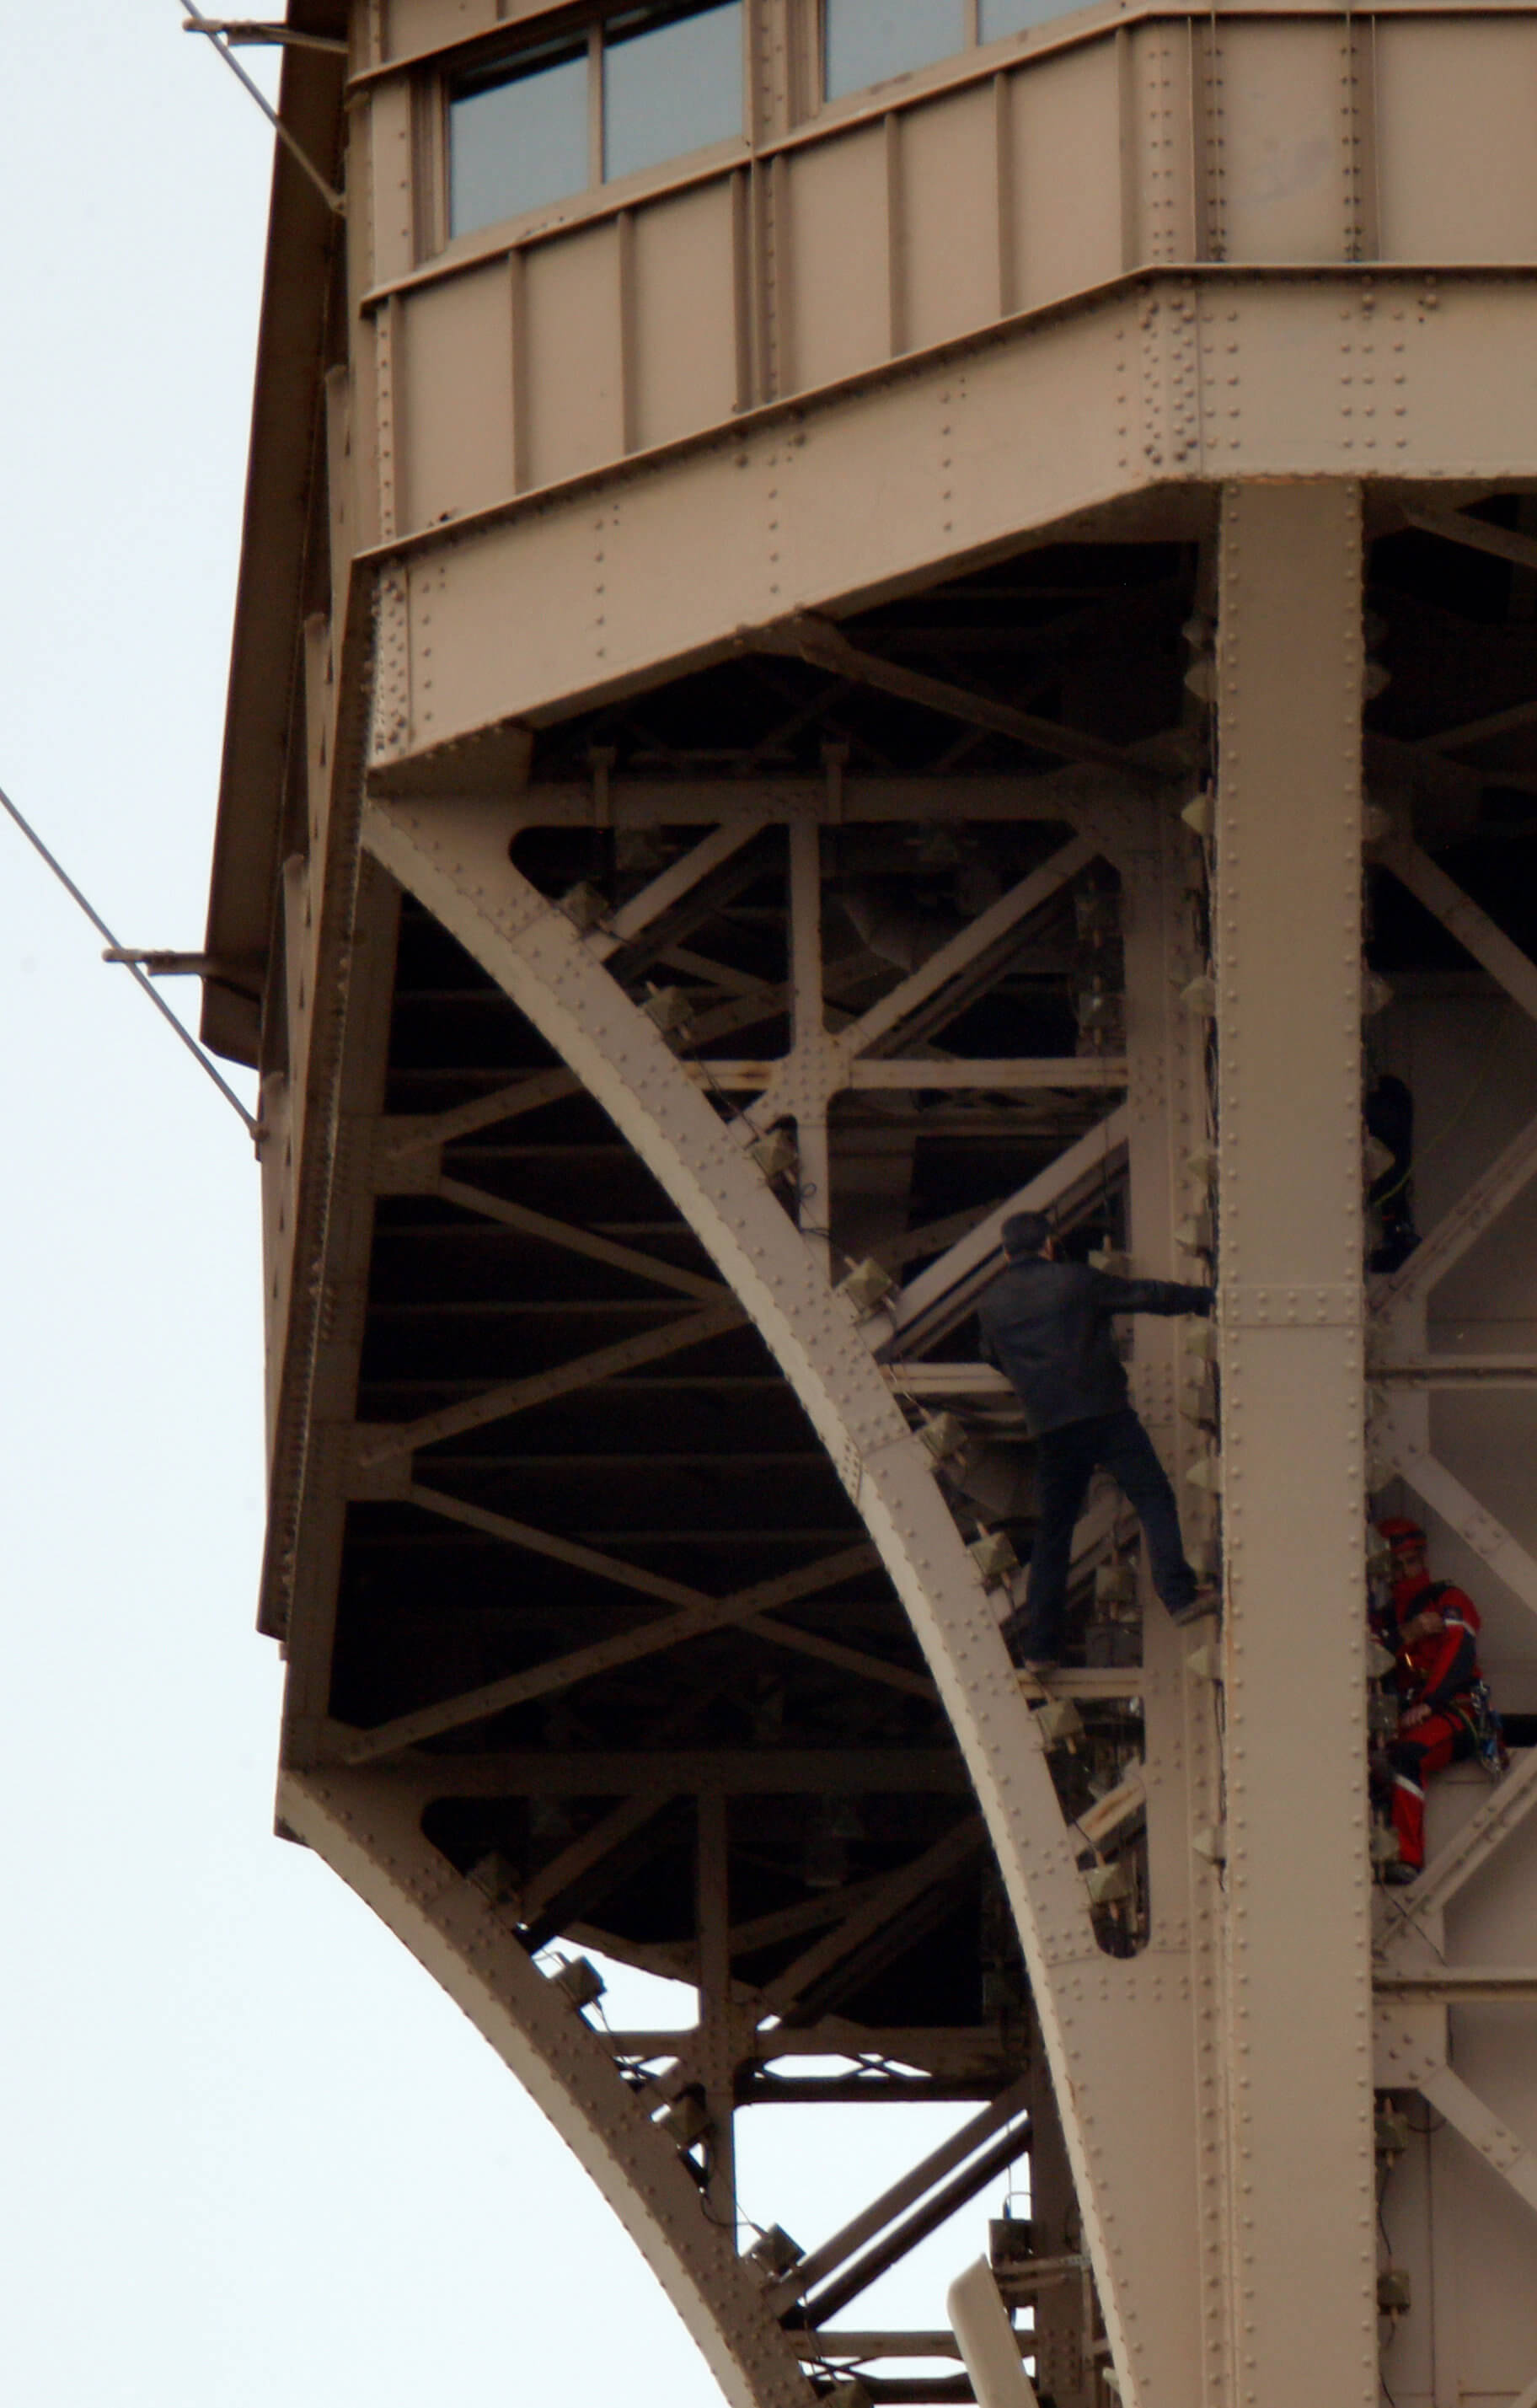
(1118, 2032)
(1101, 147)
(1456, 2209)
(1005, 183)
(1169, 1123)
(1182, 378)
(1286, 910)
(572, 456)
(367, 1827)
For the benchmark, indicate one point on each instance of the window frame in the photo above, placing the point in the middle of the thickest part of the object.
(826, 102)
(934, 73)
(784, 97)
(581, 24)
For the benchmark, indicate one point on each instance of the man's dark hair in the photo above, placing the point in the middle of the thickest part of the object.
(1025, 1233)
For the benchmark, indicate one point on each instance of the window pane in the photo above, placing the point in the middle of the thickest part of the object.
(1000, 16)
(672, 83)
(870, 39)
(518, 142)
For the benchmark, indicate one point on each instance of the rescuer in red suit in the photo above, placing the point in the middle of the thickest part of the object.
(1433, 1630)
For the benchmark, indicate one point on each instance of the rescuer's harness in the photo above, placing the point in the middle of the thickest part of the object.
(1472, 1707)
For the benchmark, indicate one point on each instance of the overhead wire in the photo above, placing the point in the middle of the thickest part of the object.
(202, 1059)
(216, 37)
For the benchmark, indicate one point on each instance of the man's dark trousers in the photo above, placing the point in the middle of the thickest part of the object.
(1066, 1459)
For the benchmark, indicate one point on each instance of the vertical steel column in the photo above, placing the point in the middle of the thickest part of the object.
(1166, 1102)
(1060, 2369)
(1287, 912)
(716, 2024)
(807, 1036)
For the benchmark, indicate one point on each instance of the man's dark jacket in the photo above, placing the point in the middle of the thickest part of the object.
(1046, 1327)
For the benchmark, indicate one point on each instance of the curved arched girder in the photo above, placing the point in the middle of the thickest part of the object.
(1118, 2032)
(367, 1827)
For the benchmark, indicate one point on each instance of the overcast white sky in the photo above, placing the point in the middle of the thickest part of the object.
(250, 2153)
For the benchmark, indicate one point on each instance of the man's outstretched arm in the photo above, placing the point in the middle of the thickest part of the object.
(1114, 1295)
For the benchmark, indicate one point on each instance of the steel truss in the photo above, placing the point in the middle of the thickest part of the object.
(626, 1566)
(1171, 2054)
(455, 860)
(1167, 2052)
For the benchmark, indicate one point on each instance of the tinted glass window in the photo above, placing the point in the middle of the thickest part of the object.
(520, 140)
(870, 39)
(672, 83)
(1000, 16)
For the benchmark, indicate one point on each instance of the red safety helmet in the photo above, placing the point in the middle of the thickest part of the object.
(1402, 1536)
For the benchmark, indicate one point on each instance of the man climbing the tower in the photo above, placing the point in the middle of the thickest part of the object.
(1444, 1715)
(1047, 1325)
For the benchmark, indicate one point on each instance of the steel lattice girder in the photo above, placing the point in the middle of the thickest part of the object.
(737, 543)
(367, 1827)
(1161, 1116)
(1118, 2032)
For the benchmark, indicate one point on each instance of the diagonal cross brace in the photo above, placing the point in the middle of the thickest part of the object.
(1494, 2140)
(367, 1827)
(1482, 1531)
(1461, 1227)
(1501, 1813)
(699, 1614)
(515, 1395)
(822, 1063)
(946, 1292)
(1463, 919)
(1121, 2053)
(576, 1242)
(879, 1905)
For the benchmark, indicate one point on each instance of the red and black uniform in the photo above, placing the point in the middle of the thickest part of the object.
(1438, 1671)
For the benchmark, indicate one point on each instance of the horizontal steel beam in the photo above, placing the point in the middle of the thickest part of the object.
(940, 2343)
(1048, 1070)
(865, 2089)
(1067, 1071)
(1458, 1372)
(918, 2391)
(753, 1772)
(1405, 1914)
(1458, 1985)
(1109, 1682)
(696, 801)
(913, 1378)
(922, 2045)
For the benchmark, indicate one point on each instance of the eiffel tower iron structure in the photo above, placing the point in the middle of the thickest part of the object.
(855, 616)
